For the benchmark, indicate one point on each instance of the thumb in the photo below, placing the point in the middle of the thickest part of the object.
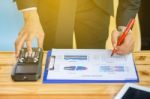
(114, 38)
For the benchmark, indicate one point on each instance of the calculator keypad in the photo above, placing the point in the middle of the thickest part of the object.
(33, 57)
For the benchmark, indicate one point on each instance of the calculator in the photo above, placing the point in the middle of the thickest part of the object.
(28, 66)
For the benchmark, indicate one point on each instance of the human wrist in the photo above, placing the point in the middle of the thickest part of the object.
(30, 15)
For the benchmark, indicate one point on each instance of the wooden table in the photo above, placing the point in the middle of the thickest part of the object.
(36, 90)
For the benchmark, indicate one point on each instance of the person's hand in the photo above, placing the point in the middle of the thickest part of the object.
(128, 44)
(32, 28)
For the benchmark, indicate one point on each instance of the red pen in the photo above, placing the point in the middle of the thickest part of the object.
(124, 34)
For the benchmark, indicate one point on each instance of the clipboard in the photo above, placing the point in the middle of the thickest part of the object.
(58, 81)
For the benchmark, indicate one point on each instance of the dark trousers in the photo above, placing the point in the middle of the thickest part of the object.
(144, 17)
(91, 25)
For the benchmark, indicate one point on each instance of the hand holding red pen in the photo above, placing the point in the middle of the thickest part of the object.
(124, 43)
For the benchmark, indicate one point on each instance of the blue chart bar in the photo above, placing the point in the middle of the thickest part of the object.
(112, 68)
(75, 57)
(77, 68)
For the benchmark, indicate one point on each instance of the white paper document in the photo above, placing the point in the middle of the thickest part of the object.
(90, 64)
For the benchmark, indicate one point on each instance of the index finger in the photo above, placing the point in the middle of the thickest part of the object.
(18, 44)
(127, 45)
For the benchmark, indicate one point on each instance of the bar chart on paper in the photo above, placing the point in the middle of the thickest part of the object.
(89, 66)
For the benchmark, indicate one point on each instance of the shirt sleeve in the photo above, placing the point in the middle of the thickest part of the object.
(127, 9)
(28, 9)
(25, 4)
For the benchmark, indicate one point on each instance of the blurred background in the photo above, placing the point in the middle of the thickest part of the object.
(11, 21)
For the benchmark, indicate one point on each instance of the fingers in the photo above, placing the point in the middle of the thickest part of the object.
(40, 38)
(40, 42)
(29, 46)
(127, 46)
(114, 38)
(23, 37)
(19, 43)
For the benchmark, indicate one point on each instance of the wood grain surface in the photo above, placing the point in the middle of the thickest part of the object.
(36, 90)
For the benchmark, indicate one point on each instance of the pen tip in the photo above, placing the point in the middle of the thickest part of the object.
(112, 54)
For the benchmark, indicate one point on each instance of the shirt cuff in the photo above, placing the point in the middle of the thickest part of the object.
(29, 9)
(122, 28)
